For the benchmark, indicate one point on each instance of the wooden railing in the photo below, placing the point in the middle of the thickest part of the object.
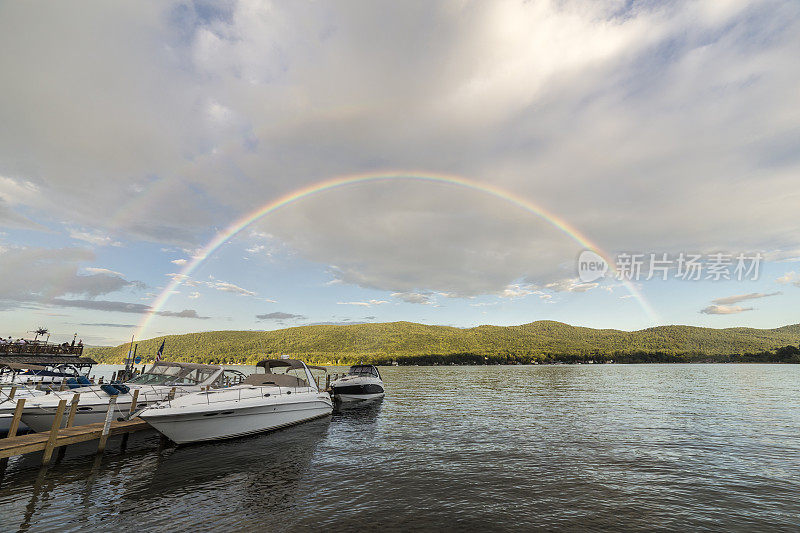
(39, 348)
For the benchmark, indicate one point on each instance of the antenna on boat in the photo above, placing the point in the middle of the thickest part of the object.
(128, 361)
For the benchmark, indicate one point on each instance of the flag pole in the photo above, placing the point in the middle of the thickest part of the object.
(129, 360)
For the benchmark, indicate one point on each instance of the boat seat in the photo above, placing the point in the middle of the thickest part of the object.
(274, 380)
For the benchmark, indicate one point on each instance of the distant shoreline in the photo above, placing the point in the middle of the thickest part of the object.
(787, 356)
(409, 343)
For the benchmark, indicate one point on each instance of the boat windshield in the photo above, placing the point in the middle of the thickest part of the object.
(173, 375)
(363, 370)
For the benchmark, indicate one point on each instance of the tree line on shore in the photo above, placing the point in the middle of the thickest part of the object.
(408, 343)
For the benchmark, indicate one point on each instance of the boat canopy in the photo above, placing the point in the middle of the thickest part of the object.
(364, 370)
(169, 373)
(292, 364)
(190, 366)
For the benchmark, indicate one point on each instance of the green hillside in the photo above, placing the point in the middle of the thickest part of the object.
(408, 342)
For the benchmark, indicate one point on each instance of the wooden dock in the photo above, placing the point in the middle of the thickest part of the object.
(37, 442)
(58, 436)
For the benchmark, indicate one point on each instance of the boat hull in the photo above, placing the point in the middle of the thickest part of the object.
(226, 422)
(43, 420)
(5, 424)
(346, 398)
(357, 390)
(92, 407)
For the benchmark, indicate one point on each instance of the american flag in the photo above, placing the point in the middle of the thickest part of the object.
(160, 351)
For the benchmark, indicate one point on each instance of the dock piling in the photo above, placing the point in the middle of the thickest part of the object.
(12, 393)
(133, 401)
(112, 404)
(73, 408)
(12, 431)
(132, 410)
(51, 441)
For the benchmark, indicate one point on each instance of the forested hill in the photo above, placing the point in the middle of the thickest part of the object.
(409, 342)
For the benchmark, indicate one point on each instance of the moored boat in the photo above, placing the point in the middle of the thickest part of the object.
(283, 395)
(362, 382)
(162, 380)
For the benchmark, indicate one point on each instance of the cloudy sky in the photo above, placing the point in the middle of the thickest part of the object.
(131, 134)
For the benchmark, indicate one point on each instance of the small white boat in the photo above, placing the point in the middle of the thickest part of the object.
(8, 404)
(50, 374)
(262, 402)
(362, 382)
(155, 385)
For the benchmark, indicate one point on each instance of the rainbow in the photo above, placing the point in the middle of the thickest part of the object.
(342, 181)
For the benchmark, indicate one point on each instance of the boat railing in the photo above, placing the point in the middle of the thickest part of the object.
(221, 395)
(147, 393)
(47, 386)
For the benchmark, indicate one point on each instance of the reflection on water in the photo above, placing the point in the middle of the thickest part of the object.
(450, 448)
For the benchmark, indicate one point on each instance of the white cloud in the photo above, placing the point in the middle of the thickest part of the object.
(724, 309)
(176, 276)
(369, 303)
(29, 274)
(790, 278)
(622, 118)
(256, 249)
(179, 262)
(96, 238)
(219, 285)
(414, 298)
(15, 192)
(230, 287)
(571, 285)
(194, 295)
(516, 291)
(96, 270)
(742, 297)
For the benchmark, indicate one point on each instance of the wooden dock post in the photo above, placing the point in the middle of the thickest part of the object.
(73, 408)
(171, 394)
(51, 442)
(327, 381)
(112, 404)
(13, 392)
(133, 402)
(12, 432)
(132, 410)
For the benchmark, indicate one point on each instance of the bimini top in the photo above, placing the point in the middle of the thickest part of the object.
(364, 370)
(188, 366)
(169, 373)
(293, 364)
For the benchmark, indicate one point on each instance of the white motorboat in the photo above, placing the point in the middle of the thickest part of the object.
(362, 382)
(262, 402)
(8, 404)
(162, 380)
(49, 374)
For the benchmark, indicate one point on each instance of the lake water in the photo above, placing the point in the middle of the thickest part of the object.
(499, 448)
